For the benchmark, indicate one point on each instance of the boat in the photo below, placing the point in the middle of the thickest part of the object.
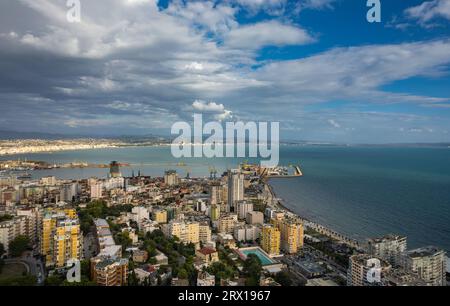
(24, 176)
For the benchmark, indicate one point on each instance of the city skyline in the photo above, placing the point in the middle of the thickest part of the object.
(317, 66)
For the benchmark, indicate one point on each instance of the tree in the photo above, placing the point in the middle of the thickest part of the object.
(18, 245)
(252, 270)
(183, 274)
(54, 280)
(27, 280)
(283, 278)
(6, 218)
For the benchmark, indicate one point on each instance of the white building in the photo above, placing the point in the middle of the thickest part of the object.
(139, 213)
(366, 270)
(244, 207)
(235, 188)
(390, 248)
(11, 229)
(246, 233)
(255, 217)
(429, 263)
(171, 178)
(96, 190)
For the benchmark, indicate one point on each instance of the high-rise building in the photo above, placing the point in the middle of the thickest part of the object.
(429, 263)
(215, 194)
(235, 189)
(96, 190)
(255, 217)
(214, 212)
(68, 192)
(227, 223)
(61, 238)
(11, 229)
(171, 178)
(109, 271)
(34, 222)
(389, 248)
(187, 232)
(243, 207)
(49, 181)
(204, 232)
(366, 270)
(114, 169)
(270, 239)
(246, 233)
(291, 231)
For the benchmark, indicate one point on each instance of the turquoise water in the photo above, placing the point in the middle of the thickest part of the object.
(359, 191)
(265, 261)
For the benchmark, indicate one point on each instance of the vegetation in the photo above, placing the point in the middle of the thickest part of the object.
(252, 270)
(283, 278)
(123, 238)
(180, 255)
(99, 209)
(60, 279)
(18, 246)
(26, 280)
(6, 218)
(221, 271)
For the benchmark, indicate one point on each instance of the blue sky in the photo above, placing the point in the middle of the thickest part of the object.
(316, 66)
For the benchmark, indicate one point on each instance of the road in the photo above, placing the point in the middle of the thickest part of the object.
(34, 266)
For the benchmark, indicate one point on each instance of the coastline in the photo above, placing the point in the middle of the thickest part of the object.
(75, 149)
(322, 229)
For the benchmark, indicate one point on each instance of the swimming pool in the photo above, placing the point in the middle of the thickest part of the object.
(265, 261)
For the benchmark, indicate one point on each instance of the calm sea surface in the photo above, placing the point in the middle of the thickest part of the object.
(358, 191)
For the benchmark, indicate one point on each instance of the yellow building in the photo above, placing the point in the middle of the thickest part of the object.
(270, 239)
(160, 216)
(291, 232)
(204, 232)
(187, 232)
(215, 212)
(61, 237)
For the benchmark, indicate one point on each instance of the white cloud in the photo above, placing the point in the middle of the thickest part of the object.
(218, 110)
(207, 107)
(315, 4)
(334, 123)
(134, 65)
(268, 33)
(429, 10)
(274, 7)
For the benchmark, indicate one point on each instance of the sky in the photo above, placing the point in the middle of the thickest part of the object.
(135, 67)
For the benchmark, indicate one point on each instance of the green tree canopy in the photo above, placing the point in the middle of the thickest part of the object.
(252, 270)
(283, 278)
(18, 245)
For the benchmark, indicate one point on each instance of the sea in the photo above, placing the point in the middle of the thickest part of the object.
(359, 191)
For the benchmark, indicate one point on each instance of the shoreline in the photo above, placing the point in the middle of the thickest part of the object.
(322, 229)
(81, 149)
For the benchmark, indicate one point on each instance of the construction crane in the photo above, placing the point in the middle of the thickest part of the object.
(212, 172)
